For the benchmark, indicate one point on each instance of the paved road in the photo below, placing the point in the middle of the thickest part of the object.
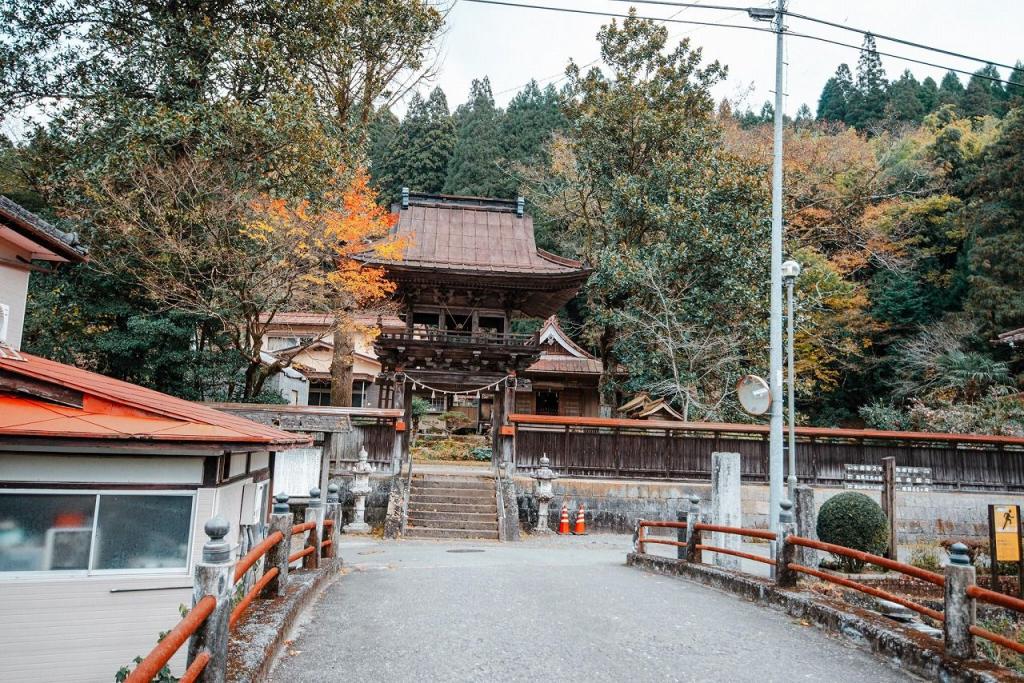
(561, 610)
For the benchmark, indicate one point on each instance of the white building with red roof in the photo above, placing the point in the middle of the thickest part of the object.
(104, 489)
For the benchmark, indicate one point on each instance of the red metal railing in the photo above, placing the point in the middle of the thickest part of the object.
(878, 560)
(642, 538)
(166, 648)
(299, 554)
(254, 555)
(738, 531)
(1007, 601)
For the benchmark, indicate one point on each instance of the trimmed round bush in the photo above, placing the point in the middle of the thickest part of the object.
(853, 520)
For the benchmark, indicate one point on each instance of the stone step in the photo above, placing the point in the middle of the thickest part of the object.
(420, 532)
(460, 508)
(453, 523)
(433, 515)
(453, 496)
(445, 483)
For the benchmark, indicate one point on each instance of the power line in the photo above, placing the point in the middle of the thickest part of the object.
(597, 13)
(893, 39)
(738, 26)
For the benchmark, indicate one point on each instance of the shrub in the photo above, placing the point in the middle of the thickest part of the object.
(855, 521)
(481, 453)
(926, 557)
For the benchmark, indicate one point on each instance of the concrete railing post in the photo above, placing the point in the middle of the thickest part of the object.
(785, 553)
(314, 513)
(692, 519)
(806, 523)
(726, 507)
(333, 513)
(959, 610)
(214, 576)
(277, 556)
(693, 537)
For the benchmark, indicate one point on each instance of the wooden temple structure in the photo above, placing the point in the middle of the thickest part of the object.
(471, 268)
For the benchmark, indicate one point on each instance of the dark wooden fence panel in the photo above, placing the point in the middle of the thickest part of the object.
(590, 447)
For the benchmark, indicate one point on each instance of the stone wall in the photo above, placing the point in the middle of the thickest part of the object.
(614, 506)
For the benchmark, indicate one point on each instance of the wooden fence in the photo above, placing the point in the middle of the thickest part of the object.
(615, 448)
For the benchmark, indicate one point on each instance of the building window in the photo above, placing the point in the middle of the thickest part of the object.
(319, 393)
(547, 402)
(105, 531)
(359, 389)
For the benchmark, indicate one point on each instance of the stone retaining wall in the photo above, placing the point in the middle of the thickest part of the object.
(615, 506)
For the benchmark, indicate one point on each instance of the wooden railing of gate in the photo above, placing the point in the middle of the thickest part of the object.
(619, 448)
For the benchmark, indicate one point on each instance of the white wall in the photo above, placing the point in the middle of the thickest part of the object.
(13, 292)
(76, 629)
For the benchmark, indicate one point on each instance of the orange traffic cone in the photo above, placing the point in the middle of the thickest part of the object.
(563, 524)
(581, 522)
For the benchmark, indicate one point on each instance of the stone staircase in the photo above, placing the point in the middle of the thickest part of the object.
(452, 506)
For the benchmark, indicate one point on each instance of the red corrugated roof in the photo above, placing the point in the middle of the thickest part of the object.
(112, 409)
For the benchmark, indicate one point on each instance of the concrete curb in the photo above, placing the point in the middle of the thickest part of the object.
(257, 641)
(904, 648)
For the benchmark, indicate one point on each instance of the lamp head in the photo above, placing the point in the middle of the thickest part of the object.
(790, 270)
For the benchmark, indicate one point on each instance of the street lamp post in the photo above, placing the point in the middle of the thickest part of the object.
(790, 272)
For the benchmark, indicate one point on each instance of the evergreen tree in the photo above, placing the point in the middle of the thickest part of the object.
(928, 94)
(381, 150)
(996, 211)
(426, 141)
(983, 96)
(532, 116)
(803, 115)
(1015, 89)
(474, 168)
(868, 106)
(904, 99)
(834, 103)
(951, 90)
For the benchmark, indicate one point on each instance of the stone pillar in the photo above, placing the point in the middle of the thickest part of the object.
(959, 610)
(545, 477)
(508, 406)
(281, 519)
(785, 553)
(360, 489)
(314, 513)
(726, 509)
(806, 524)
(690, 552)
(332, 513)
(680, 535)
(214, 575)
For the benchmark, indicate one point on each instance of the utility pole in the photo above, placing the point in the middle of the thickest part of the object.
(775, 326)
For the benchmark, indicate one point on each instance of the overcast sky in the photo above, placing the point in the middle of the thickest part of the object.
(512, 45)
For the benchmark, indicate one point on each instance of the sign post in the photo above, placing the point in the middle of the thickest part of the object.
(1005, 542)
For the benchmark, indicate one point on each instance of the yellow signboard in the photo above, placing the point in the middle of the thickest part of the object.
(1006, 528)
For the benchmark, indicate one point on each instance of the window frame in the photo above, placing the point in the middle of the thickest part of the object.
(57, 574)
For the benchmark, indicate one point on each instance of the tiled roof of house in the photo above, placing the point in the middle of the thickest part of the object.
(112, 409)
(33, 228)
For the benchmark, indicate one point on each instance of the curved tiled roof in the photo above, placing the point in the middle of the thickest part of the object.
(112, 409)
(459, 234)
(34, 228)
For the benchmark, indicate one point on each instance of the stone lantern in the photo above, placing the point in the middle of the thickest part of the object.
(360, 489)
(544, 476)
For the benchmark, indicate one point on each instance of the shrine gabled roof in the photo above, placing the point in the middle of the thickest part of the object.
(43, 398)
(469, 234)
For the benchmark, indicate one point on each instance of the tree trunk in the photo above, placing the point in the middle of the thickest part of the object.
(253, 381)
(342, 360)
(606, 385)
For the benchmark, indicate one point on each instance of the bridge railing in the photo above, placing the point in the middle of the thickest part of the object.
(958, 581)
(218, 580)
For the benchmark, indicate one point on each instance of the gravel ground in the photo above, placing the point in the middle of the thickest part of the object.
(563, 609)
